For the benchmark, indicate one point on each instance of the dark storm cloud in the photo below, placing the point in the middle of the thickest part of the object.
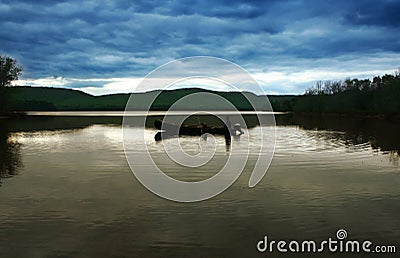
(109, 39)
(375, 13)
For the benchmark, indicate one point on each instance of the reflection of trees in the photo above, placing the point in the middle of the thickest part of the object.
(379, 133)
(394, 157)
(10, 157)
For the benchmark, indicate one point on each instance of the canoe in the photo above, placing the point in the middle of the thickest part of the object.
(165, 135)
(173, 129)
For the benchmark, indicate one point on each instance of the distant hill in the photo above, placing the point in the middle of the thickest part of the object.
(25, 98)
(48, 99)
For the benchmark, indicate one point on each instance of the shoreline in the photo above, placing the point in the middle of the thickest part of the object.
(16, 114)
(351, 115)
(20, 114)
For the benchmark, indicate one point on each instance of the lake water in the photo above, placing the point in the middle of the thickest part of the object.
(67, 190)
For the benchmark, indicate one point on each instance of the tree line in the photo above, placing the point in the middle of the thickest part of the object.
(330, 87)
(380, 94)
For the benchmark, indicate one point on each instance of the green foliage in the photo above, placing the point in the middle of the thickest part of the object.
(379, 95)
(376, 96)
(45, 99)
(167, 98)
(48, 99)
(282, 103)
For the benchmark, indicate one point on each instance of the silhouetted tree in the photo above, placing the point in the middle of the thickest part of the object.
(10, 70)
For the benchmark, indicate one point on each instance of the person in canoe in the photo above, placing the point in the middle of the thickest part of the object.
(237, 129)
(203, 127)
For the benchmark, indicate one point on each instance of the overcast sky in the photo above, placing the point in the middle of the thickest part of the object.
(106, 47)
